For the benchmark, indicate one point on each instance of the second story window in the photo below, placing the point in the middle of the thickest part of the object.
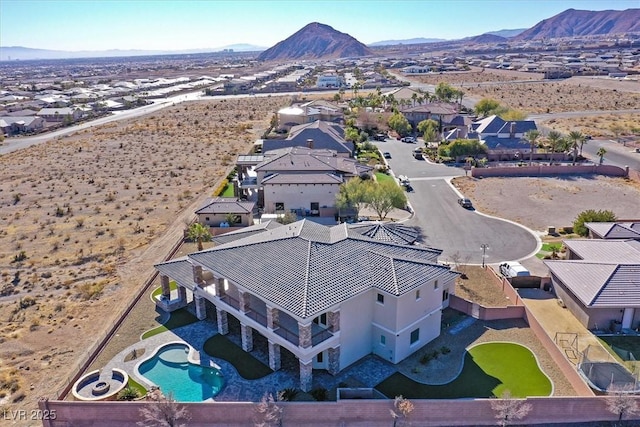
(381, 298)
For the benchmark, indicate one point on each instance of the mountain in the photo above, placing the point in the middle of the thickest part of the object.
(573, 22)
(507, 33)
(11, 53)
(419, 40)
(486, 38)
(315, 41)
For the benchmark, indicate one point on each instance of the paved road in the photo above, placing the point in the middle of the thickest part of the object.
(617, 154)
(445, 224)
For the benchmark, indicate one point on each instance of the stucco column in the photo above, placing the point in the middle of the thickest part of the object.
(274, 356)
(223, 322)
(201, 308)
(333, 319)
(306, 375)
(182, 293)
(219, 281)
(304, 335)
(244, 299)
(246, 333)
(166, 287)
(197, 275)
(333, 366)
(273, 317)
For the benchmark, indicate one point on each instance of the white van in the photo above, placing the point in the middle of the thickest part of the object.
(513, 269)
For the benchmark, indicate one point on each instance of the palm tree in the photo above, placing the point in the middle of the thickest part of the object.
(531, 136)
(576, 138)
(198, 233)
(554, 138)
(414, 97)
(601, 152)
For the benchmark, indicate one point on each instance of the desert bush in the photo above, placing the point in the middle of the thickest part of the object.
(320, 394)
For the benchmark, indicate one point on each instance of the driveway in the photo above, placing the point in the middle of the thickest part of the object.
(459, 232)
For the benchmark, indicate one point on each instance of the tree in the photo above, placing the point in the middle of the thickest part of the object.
(576, 138)
(486, 106)
(383, 196)
(508, 409)
(460, 148)
(444, 92)
(268, 413)
(164, 412)
(511, 115)
(351, 134)
(399, 123)
(402, 408)
(601, 152)
(414, 98)
(621, 401)
(350, 195)
(591, 215)
(198, 233)
(531, 136)
(287, 218)
(553, 138)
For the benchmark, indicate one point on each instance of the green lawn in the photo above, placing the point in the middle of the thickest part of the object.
(381, 177)
(228, 191)
(247, 366)
(489, 370)
(178, 318)
(136, 386)
(172, 285)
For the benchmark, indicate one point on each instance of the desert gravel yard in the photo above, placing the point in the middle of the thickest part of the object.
(538, 203)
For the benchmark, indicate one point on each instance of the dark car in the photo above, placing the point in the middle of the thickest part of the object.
(386, 155)
(465, 203)
(408, 188)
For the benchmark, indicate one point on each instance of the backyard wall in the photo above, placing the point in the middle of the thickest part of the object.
(546, 170)
(360, 413)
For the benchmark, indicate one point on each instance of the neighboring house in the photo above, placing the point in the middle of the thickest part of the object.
(217, 212)
(442, 113)
(320, 135)
(309, 112)
(504, 139)
(328, 295)
(613, 230)
(599, 282)
(298, 179)
(58, 115)
(14, 125)
(329, 80)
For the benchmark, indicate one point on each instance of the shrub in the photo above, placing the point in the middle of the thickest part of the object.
(287, 394)
(445, 350)
(320, 394)
(128, 393)
(221, 187)
(591, 215)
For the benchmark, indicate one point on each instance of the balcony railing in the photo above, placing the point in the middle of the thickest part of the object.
(288, 335)
(231, 301)
(320, 336)
(258, 317)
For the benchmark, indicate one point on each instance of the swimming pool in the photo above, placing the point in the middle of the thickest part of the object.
(171, 370)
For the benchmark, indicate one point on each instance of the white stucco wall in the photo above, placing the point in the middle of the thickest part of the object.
(295, 196)
(355, 328)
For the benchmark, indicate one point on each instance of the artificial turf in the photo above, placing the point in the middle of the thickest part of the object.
(489, 370)
(177, 319)
(247, 366)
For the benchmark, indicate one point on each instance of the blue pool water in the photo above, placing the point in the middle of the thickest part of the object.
(170, 370)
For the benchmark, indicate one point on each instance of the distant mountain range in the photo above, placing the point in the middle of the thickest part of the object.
(571, 23)
(314, 41)
(317, 40)
(10, 53)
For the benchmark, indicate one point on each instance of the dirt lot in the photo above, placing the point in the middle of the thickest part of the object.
(85, 217)
(541, 202)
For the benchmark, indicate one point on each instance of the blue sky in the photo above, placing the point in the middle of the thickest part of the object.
(184, 24)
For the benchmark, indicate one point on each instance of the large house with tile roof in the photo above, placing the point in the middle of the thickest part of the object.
(218, 211)
(319, 135)
(309, 112)
(298, 179)
(613, 230)
(599, 282)
(503, 139)
(327, 295)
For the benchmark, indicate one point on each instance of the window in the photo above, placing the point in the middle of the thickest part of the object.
(417, 294)
(381, 298)
(383, 340)
(435, 284)
(321, 320)
(206, 218)
(415, 336)
(445, 294)
(279, 206)
(319, 358)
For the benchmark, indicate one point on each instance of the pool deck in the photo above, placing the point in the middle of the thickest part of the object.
(369, 371)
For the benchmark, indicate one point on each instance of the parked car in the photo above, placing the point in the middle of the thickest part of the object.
(417, 153)
(465, 203)
(403, 180)
(513, 269)
(380, 137)
(386, 155)
(409, 139)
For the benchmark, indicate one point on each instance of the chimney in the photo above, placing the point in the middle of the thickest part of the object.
(310, 143)
(512, 130)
